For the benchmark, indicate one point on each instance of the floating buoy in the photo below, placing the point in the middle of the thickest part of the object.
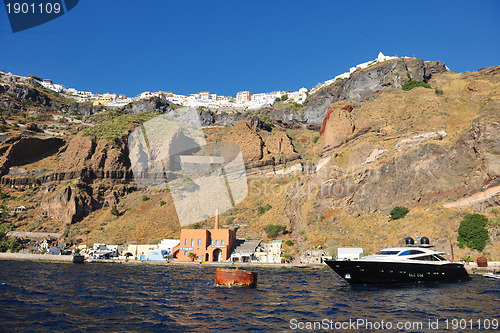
(235, 278)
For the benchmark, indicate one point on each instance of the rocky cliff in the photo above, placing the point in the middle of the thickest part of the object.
(363, 83)
(331, 170)
(425, 150)
(432, 173)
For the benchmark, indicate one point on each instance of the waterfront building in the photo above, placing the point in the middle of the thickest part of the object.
(269, 252)
(212, 245)
(140, 251)
(351, 253)
(103, 251)
(156, 255)
(168, 245)
(245, 251)
(313, 256)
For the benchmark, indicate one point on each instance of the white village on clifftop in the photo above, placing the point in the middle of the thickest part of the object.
(243, 99)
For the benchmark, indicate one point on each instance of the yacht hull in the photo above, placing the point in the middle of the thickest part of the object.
(370, 272)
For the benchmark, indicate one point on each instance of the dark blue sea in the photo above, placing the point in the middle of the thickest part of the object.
(96, 297)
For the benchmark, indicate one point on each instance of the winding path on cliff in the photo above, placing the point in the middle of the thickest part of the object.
(474, 199)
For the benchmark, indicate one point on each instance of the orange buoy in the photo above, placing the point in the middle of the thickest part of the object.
(235, 278)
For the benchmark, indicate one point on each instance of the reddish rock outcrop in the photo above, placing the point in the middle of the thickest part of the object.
(69, 204)
(261, 149)
(337, 126)
(279, 145)
(251, 144)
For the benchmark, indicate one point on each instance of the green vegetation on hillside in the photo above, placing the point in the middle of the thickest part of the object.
(4, 228)
(272, 230)
(398, 213)
(114, 210)
(472, 232)
(409, 85)
(494, 222)
(262, 209)
(13, 244)
(117, 127)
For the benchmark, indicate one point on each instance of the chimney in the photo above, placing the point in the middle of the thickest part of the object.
(216, 219)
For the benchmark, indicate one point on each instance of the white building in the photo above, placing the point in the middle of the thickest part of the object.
(380, 58)
(143, 95)
(351, 253)
(269, 252)
(52, 86)
(243, 97)
(168, 245)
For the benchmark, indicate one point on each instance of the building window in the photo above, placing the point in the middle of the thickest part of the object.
(222, 242)
(192, 242)
(185, 253)
(199, 241)
(186, 242)
(216, 242)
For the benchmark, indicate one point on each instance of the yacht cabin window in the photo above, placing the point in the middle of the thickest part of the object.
(387, 253)
(410, 252)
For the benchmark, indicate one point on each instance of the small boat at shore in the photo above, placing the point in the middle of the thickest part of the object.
(491, 275)
(409, 264)
(235, 278)
(77, 259)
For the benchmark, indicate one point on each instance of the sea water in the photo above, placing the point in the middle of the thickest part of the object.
(97, 297)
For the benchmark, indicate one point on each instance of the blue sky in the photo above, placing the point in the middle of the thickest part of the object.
(126, 46)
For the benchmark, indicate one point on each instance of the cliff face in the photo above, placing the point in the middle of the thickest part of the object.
(148, 105)
(261, 149)
(24, 95)
(87, 163)
(69, 204)
(364, 83)
(431, 173)
(18, 149)
(100, 158)
(358, 88)
(81, 158)
(416, 148)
